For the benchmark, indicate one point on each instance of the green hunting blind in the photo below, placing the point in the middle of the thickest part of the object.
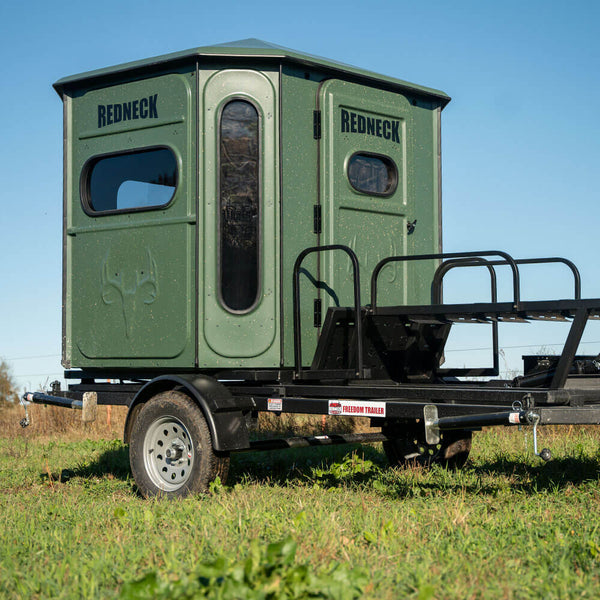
(192, 181)
(250, 229)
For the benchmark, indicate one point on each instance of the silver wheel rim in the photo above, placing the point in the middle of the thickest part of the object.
(168, 453)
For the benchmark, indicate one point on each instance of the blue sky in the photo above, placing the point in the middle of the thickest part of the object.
(520, 138)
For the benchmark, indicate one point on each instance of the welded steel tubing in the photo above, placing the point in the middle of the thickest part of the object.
(482, 420)
(40, 398)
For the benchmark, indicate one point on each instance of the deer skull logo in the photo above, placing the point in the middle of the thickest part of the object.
(130, 288)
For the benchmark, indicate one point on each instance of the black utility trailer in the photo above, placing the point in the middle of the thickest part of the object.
(377, 362)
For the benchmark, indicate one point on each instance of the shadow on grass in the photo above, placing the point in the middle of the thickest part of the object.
(321, 467)
(490, 478)
(298, 466)
(553, 475)
(112, 463)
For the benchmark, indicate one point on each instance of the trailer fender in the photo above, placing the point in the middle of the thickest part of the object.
(223, 413)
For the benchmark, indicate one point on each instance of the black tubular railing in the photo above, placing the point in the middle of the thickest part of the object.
(436, 286)
(443, 256)
(472, 259)
(556, 377)
(436, 298)
(438, 276)
(357, 306)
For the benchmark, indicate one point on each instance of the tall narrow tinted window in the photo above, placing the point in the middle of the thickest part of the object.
(239, 202)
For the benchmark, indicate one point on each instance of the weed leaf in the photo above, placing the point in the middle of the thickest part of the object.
(266, 574)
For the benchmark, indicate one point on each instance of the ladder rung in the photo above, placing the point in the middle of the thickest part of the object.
(428, 320)
(512, 319)
(547, 317)
(469, 319)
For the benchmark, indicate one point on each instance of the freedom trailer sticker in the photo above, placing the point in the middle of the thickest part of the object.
(356, 408)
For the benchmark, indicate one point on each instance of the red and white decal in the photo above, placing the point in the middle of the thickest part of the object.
(335, 407)
(356, 408)
(514, 418)
(275, 404)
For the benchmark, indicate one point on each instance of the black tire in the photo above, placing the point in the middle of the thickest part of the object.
(171, 452)
(409, 448)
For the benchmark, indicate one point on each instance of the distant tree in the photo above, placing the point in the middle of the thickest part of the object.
(8, 391)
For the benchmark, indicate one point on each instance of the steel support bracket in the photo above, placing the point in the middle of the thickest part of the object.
(432, 431)
(89, 407)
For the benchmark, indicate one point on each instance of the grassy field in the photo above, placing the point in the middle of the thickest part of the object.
(506, 526)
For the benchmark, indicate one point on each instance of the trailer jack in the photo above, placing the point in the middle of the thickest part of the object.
(25, 422)
(517, 416)
(545, 454)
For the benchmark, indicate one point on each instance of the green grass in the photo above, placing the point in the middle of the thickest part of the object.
(506, 526)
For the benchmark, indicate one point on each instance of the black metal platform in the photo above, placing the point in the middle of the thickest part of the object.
(406, 343)
(386, 359)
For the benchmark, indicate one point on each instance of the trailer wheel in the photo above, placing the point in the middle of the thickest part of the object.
(170, 451)
(410, 448)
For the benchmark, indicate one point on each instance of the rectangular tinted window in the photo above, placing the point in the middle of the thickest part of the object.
(372, 174)
(128, 181)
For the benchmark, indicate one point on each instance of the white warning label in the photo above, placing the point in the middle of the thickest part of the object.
(356, 408)
(275, 404)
